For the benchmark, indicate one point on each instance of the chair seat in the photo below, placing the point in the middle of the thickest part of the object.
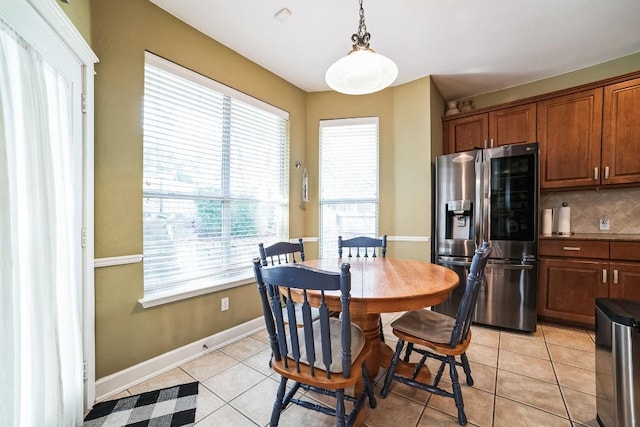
(426, 325)
(315, 313)
(319, 378)
(357, 344)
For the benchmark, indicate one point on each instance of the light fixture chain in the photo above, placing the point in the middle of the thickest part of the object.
(361, 38)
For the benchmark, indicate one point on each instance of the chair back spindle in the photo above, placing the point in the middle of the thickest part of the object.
(321, 353)
(298, 342)
(364, 244)
(281, 253)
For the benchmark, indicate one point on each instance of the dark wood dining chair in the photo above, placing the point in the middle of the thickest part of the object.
(442, 337)
(327, 355)
(284, 253)
(369, 246)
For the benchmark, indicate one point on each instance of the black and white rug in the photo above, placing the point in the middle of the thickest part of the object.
(167, 407)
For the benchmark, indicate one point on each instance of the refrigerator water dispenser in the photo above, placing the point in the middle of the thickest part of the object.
(459, 216)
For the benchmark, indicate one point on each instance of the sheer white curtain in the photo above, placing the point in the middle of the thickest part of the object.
(41, 368)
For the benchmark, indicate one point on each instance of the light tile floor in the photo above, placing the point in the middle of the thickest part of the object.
(546, 378)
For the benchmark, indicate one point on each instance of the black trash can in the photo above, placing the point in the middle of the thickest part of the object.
(618, 362)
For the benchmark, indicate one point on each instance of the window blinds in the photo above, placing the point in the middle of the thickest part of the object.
(348, 180)
(215, 179)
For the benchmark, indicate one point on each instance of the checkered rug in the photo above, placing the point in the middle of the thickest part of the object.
(168, 407)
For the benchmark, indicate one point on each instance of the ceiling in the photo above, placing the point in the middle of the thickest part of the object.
(468, 47)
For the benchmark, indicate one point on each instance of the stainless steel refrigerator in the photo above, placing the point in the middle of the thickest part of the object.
(491, 195)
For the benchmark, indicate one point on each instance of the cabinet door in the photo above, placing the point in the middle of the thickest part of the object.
(625, 280)
(621, 133)
(569, 132)
(568, 289)
(467, 133)
(515, 125)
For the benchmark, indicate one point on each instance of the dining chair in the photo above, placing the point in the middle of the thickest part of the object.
(284, 253)
(366, 244)
(443, 337)
(326, 355)
(281, 252)
(363, 243)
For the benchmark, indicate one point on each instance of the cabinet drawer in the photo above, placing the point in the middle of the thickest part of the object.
(575, 248)
(625, 251)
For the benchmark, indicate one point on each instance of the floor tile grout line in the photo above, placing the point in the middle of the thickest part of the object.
(533, 407)
(496, 395)
(495, 382)
(555, 373)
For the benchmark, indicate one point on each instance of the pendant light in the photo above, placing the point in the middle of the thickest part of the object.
(362, 71)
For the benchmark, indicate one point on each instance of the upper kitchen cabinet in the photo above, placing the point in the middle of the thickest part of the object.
(466, 133)
(621, 133)
(569, 132)
(513, 125)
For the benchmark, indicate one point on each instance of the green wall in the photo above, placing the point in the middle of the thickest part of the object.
(411, 215)
(127, 334)
(410, 138)
(616, 67)
(79, 12)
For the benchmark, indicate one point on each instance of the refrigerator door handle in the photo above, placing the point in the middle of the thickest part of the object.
(478, 223)
(511, 266)
(486, 195)
(458, 263)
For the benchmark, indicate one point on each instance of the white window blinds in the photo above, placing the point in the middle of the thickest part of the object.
(215, 179)
(348, 181)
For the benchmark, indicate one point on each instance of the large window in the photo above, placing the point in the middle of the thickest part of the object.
(215, 180)
(348, 181)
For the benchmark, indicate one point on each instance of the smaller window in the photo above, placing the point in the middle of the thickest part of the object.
(348, 181)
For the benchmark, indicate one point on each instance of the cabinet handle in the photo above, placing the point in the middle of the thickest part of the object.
(615, 277)
(570, 248)
(491, 143)
(604, 275)
(606, 172)
(485, 144)
(595, 173)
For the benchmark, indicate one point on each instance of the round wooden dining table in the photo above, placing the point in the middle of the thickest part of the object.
(385, 285)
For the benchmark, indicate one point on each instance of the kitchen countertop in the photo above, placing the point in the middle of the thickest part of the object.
(594, 236)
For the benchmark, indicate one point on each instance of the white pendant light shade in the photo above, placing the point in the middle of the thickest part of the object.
(362, 71)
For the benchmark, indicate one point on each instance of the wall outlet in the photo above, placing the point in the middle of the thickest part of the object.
(224, 304)
(604, 223)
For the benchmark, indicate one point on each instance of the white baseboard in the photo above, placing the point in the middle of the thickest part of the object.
(119, 381)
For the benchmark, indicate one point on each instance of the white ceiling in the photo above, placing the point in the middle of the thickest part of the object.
(469, 47)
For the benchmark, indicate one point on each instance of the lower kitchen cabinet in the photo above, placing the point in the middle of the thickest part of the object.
(568, 289)
(625, 280)
(573, 273)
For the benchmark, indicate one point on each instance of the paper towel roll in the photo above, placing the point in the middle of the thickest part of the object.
(547, 221)
(564, 220)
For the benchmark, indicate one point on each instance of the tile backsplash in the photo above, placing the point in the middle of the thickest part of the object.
(621, 205)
